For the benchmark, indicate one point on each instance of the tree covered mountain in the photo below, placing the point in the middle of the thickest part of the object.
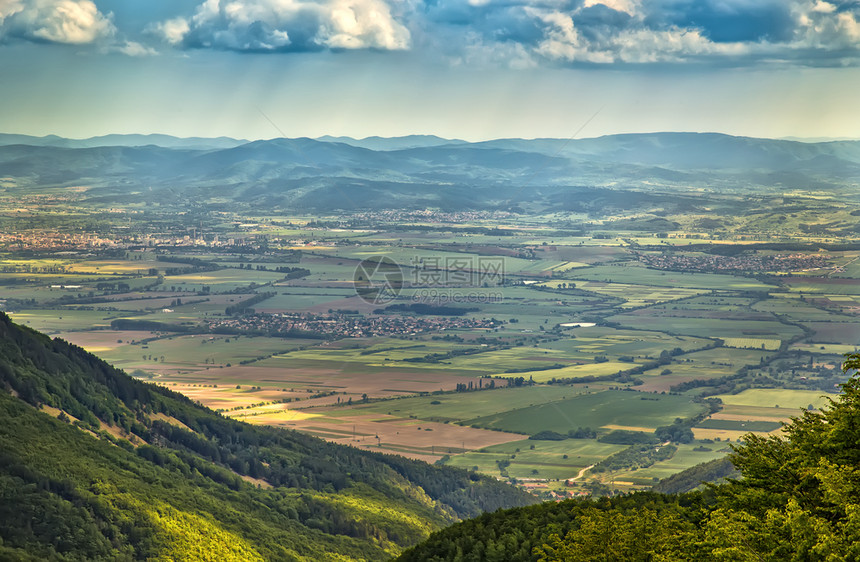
(798, 498)
(335, 173)
(95, 465)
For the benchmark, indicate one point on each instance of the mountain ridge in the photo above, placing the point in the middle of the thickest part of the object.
(324, 175)
(153, 139)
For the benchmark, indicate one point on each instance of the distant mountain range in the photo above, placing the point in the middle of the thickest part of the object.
(393, 143)
(419, 171)
(201, 143)
(165, 141)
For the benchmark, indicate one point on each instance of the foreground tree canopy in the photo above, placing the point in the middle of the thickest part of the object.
(798, 499)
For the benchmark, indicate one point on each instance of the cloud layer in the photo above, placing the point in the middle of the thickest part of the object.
(507, 32)
(603, 32)
(287, 25)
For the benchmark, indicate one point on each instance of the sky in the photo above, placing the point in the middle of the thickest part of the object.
(468, 69)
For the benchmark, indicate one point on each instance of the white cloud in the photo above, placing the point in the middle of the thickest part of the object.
(822, 27)
(9, 8)
(66, 22)
(360, 24)
(823, 7)
(627, 6)
(847, 26)
(272, 25)
(477, 53)
(672, 45)
(173, 30)
(134, 49)
(564, 42)
(74, 22)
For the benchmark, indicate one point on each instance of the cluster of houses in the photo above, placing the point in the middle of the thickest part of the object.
(541, 487)
(335, 326)
(51, 240)
(744, 263)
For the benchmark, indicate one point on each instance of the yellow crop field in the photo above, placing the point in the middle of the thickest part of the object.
(568, 266)
(753, 343)
(574, 371)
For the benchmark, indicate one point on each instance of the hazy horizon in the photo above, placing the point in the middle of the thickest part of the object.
(479, 140)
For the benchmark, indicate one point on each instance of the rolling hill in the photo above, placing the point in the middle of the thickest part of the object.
(95, 465)
(415, 172)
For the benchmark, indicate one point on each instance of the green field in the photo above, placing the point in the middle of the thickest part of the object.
(467, 405)
(827, 286)
(612, 342)
(719, 361)
(639, 275)
(198, 352)
(599, 409)
(721, 301)
(54, 321)
(794, 308)
(547, 458)
(634, 295)
(299, 299)
(709, 327)
(830, 348)
(846, 333)
(737, 425)
(684, 458)
(573, 372)
(395, 357)
(221, 280)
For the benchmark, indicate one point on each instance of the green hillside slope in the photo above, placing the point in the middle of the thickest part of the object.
(95, 465)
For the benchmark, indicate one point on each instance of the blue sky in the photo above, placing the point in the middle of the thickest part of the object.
(471, 69)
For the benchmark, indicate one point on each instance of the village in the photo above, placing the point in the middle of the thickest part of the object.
(777, 263)
(336, 325)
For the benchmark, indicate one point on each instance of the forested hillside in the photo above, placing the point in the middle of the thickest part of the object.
(95, 465)
(798, 498)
